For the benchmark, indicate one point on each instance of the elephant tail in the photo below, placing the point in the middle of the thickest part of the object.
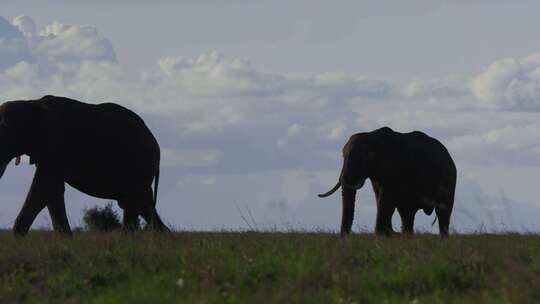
(156, 183)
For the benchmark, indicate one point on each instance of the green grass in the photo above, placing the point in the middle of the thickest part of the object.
(268, 268)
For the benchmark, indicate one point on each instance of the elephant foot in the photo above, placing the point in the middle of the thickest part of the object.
(19, 229)
(405, 235)
(344, 235)
(407, 232)
(19, 234)
(384, 231)
(65, 233)
(128, 229)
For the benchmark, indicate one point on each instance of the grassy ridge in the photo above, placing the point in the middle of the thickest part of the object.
(268, 268)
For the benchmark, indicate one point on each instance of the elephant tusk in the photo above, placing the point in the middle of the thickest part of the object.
(331, 191)
(18, 160)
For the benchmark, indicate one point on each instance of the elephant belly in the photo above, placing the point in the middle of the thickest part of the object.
(111, 181)
(418, 196)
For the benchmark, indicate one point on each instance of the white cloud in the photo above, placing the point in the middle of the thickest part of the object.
(211, 74)
(189, 157)
(25, 24)
(506, 84)
(13, 46)
(512, 138)
(510, 84)
(57, 43)
(73, 43)
(448, 88)
(512, 144)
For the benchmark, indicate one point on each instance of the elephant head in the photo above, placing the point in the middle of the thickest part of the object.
(357, 157)
(20, 129)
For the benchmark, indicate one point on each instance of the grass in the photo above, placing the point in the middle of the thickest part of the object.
(223, 267)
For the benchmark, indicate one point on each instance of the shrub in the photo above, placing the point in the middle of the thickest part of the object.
(101, 219)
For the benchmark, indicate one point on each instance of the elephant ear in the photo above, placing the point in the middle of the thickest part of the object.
(372, 149)
(371, 153)
(27, 120)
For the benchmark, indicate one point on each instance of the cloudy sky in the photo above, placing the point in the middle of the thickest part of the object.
(252, 101)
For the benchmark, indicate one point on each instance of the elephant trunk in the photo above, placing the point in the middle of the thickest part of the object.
(348, 198)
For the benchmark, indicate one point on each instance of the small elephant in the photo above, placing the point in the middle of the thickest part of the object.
(103, 150)
(408, 172)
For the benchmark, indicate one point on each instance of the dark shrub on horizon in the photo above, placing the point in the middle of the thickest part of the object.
(101, 219)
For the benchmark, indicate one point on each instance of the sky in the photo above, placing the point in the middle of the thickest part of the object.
(251, 102)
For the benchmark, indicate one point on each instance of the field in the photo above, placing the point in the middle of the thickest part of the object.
(227, 267)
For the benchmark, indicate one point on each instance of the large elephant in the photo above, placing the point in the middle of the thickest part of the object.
(408, 172)
(104, 150)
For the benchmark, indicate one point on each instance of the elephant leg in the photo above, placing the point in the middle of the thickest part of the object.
(443, 216)
(57, 211)
(131, 215)
(149, 213)
(43, 188)
(385, 211)
(376, 190)
(407, 220)
(31, 208)
(152, 218)
(141, 203)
